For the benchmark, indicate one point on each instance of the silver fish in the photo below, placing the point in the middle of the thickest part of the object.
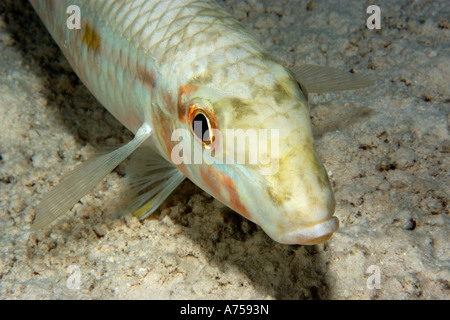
(163, 67)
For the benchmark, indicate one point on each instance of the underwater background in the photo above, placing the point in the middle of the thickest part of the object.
(386, 150)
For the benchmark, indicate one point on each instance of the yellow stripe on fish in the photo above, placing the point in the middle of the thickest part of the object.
(194, 86)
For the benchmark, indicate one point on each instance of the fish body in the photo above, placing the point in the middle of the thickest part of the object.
(160, 67)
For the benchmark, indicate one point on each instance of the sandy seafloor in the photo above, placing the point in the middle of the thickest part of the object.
(386, 149)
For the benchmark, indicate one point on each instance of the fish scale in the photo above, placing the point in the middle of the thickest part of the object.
(147, 35)
(156, 66)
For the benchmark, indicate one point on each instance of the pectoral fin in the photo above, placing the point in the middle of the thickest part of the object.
(151, 179)
(82, 179)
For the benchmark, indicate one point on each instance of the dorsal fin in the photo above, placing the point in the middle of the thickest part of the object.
(318, 79)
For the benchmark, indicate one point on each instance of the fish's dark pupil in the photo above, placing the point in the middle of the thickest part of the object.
(201, 127)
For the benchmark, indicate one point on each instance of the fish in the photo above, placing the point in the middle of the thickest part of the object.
(193, 85)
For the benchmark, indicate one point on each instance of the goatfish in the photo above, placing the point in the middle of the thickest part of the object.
(179, 74)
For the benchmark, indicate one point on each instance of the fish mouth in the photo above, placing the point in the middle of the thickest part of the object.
(315, 234)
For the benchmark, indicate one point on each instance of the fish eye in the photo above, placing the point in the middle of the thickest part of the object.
(201, 126)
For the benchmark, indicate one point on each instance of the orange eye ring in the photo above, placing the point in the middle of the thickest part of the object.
(205, 133)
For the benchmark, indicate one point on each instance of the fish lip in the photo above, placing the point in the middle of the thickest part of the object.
(315, 234)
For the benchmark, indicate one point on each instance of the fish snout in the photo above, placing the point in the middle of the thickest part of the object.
(315, 234)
